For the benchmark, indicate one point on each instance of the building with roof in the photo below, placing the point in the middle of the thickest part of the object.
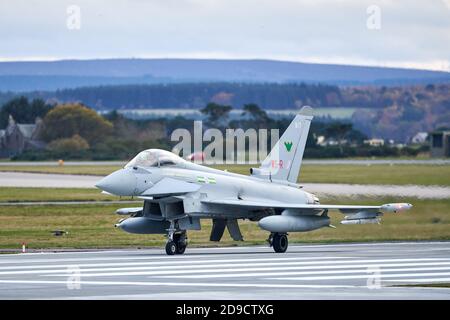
(374, 142)
(419, 138)
(17, 138)
(440, 144)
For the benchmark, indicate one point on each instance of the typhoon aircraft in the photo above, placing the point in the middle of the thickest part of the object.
(178, 193)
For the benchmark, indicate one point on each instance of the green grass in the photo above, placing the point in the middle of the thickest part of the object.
(91, 226)
(379, 174)
(54, 194)
(374, 174)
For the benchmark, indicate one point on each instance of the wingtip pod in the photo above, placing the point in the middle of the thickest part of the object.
(396, 207)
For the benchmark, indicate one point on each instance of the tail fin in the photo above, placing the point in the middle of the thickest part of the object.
(285, 159)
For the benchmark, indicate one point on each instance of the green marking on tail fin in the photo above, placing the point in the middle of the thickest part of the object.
(288, 145)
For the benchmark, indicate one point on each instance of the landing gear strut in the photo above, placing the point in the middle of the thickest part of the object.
(177, 242)
(279, 242)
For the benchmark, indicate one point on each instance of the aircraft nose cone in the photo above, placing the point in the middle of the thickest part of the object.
(121, 183)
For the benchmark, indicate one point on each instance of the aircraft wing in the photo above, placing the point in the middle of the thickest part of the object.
(170, 186)
(348, 209)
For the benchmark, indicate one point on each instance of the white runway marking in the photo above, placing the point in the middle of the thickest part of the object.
(164, 263)
(207, 267)
(219, 268)
(346, 269)
(149, 266)
(180, 261)
(248, 267)
(266, 274)
(401, 275)
(178, 284)
(221, 273)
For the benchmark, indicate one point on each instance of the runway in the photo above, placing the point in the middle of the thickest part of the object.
(335, 271)
(46, 180)
(43, 180)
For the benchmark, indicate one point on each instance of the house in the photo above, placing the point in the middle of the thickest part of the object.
(440, 144)
(324, 142)
(374, 142)
(17, 137)
(419, 138)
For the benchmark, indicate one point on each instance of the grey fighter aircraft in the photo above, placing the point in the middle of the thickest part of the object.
(178, 193)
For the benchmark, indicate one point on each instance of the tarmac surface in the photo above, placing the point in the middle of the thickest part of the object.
(44, 180)
(334, 271)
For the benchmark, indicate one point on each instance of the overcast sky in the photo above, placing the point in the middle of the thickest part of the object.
(408, 33)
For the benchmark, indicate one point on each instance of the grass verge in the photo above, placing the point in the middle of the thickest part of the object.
(91, 226)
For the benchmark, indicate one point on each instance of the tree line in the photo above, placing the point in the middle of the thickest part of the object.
(197, 95)
(396, 113)
(75, 131)
(266, 95)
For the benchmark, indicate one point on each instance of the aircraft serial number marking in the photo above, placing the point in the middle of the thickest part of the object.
(206, 180)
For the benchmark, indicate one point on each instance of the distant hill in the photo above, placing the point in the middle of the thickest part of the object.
(53, 75)
(196, 95)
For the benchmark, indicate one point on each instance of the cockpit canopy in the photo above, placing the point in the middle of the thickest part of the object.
(155, 158)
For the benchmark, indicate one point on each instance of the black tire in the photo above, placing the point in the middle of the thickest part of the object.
(280, 243)
(181, 248)
(180, 241)
(171, 248)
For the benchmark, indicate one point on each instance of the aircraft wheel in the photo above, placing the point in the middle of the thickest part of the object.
(181, 248)
(280, 242)
(181, 242)
(171, 248)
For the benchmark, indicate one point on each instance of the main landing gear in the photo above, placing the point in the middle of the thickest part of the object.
(279, 242)
(177, 243)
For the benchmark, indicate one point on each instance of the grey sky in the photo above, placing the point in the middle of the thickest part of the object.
(413, 33)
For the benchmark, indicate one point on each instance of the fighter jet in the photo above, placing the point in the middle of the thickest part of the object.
(177, 194)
